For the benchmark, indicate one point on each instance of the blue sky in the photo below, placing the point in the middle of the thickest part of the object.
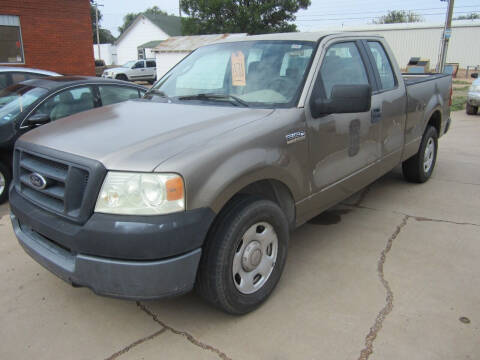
(320, 14)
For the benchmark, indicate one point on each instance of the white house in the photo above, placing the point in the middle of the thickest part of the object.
(145, 28)
(170, 51)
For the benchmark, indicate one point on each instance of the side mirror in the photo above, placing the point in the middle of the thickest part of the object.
(38, 119)
(474, 75)
(344, 99)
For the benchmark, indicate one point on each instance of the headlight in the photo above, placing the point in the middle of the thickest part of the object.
(141, 194)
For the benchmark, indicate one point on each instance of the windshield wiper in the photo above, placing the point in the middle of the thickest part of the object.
(213, 96)
(157, 92)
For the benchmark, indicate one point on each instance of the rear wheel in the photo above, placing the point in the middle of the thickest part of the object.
(244, 255)
(122, 77)
(5, 179)
(419, 167)
(472, 110)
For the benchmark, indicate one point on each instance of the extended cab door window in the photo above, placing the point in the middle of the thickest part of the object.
(67, 102)
(387, 79)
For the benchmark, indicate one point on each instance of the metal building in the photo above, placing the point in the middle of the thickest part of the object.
(423, 40)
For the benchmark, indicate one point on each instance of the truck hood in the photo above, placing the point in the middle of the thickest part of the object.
(140, 135)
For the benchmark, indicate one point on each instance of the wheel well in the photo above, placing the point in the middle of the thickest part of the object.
(277, 192)
(436, 121)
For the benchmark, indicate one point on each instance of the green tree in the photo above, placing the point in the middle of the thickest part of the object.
(471, 16)
(130, 17)
(240, 16)
(104, 34)
(399, 16)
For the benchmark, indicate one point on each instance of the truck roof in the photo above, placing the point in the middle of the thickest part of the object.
(298, 36)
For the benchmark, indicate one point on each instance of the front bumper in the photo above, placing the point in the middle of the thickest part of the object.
(131, 257)
(135, 280)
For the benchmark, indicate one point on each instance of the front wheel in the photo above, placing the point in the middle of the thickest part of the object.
(419, 167)
(122, 77)
(5, 178)
(244, 255)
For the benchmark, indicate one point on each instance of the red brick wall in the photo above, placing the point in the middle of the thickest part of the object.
(56, 34)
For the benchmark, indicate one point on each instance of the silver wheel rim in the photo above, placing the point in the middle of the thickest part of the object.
(429, 155)
(255, 258)
(2, 183)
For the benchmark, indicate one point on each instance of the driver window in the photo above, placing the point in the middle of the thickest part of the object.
(67, 103)
(342, 65)
(139, 65)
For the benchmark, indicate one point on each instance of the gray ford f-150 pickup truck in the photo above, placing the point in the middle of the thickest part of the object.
(201, 182)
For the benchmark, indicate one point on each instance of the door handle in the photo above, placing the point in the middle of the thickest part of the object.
(376, 115)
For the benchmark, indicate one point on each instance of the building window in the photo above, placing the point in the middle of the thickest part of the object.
(11, 46)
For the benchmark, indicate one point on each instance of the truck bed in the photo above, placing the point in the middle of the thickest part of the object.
(426, 93)
(411, 79)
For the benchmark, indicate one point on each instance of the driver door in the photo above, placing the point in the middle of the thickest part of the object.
(342, 146)
(138, 71)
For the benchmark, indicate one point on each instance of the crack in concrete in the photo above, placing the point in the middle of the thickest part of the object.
(185, 334)
(387, 309)
(418, 218)
(421, 218)
(456, 182)
(136, 343)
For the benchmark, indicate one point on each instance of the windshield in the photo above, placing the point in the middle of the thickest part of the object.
(250, 73)
(129, 64)
(16, 99)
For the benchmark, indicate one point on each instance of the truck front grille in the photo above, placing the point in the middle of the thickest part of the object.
(56, 185)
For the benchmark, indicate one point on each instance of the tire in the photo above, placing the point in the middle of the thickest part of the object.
(5, 179)
(417, 169)
(122, 77)
(231, 255)
(472, 110)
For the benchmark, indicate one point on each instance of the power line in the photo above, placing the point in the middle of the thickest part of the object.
(374, 17)
(382, 11)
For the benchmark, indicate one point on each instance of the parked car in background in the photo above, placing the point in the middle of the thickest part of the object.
(32, 103)
(100, 67)
(473, 96)
(135, 70)
(10, 75)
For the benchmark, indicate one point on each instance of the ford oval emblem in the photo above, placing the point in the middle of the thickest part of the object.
(38, 181)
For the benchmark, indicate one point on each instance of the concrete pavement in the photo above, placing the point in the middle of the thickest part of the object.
(391, 273)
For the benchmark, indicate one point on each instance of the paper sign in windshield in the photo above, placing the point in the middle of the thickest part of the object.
(238, 69)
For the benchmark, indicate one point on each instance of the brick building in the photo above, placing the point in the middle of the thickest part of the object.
(52, 35)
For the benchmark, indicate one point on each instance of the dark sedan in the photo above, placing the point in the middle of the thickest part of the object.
(32, 103)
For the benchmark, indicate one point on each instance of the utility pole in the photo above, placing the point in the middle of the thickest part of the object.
(179, 9)
(96, 23)
(447, 32)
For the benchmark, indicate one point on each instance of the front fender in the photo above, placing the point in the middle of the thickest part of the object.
(247, 168)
